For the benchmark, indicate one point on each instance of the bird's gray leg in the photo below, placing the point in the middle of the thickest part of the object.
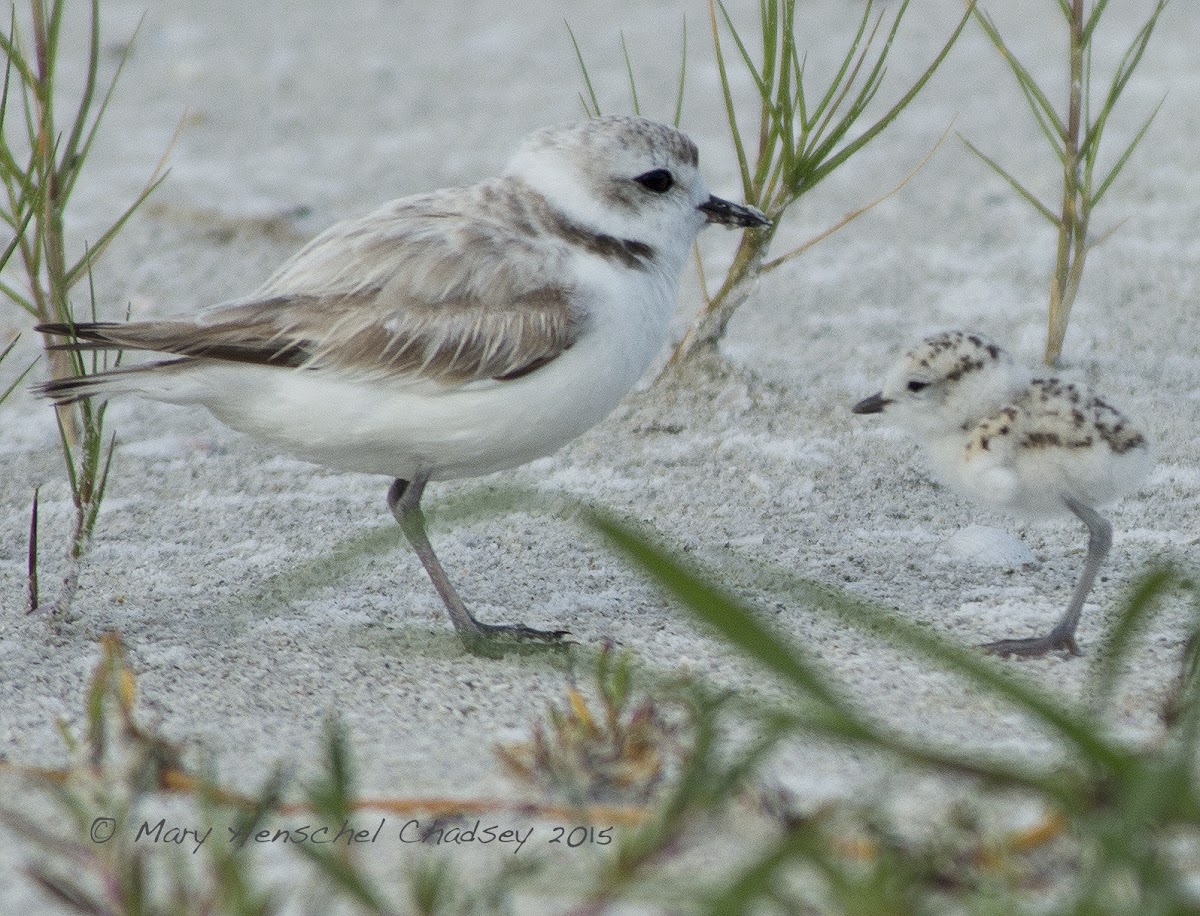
(1063, 635)
(404, 499)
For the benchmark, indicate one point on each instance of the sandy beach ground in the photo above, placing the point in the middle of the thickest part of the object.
(211, 554)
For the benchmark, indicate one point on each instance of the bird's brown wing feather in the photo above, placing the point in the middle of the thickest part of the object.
(437, 287)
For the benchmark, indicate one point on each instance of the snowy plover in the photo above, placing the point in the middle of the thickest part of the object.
(1039, 448)
(449, 334)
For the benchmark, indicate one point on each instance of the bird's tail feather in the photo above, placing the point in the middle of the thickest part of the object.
(110, 335)
(240, 344)
(101, 384)
(105, 335)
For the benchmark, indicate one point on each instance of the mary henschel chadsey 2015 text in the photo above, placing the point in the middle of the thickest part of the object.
(437, 833)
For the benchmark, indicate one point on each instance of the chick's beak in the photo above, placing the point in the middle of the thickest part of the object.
(874, 404)
(732, 215)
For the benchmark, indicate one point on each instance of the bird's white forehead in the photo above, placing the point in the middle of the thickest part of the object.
(615, 137)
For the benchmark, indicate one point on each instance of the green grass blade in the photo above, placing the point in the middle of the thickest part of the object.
(779, 141)
(682, 76)
(1038, 101)
(1183, 710)
(68, 452)
(20, 378)
(760, 80)
(20, 299)
(93, 252)
(71, 158)
(839, 80)
(994, 769)
(843, 79)
(771, 188)
(12, 343)
(761, 877)
(980, 671)
(1046, 125)
(637, 108)
(9, 47)
(74, 158)
(887, 118)
(1093, 20)
(9, 162)
(798, 118)
(730, 110)
(332, 798)
(829, 715)
(335, 798)
(775, 145)
(875, 76)
(93, 507)
(761, 84)
(24, 189)
(1129, 61)
(1131, 58)
(720, 611)
(594, 110)
(1012, 181)
(741, 628)
(799, 63)
(32, 589)
(53, 31)
(1124, 157)
(771, 33)
(18, 235)
(1136, 612)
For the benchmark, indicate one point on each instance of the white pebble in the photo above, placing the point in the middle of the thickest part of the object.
(980, 545)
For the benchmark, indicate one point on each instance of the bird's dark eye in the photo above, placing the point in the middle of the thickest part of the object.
(660, 181)
(914, 385)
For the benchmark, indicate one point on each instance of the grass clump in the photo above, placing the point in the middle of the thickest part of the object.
(1074, 136)
(804, 130)
(618, 753)
(42, 156)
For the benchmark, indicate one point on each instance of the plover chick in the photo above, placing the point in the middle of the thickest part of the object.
(449, 334)
(1039, 448)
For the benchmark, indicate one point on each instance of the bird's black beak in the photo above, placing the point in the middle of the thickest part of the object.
(874, 404)
(733, 215)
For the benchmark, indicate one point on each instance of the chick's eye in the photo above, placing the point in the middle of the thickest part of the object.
(914, 385)
(658, 181)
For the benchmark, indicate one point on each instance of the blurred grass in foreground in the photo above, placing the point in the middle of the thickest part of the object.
(1117, 831)
(1131, 814)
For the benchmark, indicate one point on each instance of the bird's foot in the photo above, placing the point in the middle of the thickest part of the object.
(1035, 646)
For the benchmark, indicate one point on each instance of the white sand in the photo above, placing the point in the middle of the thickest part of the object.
(295, 119)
